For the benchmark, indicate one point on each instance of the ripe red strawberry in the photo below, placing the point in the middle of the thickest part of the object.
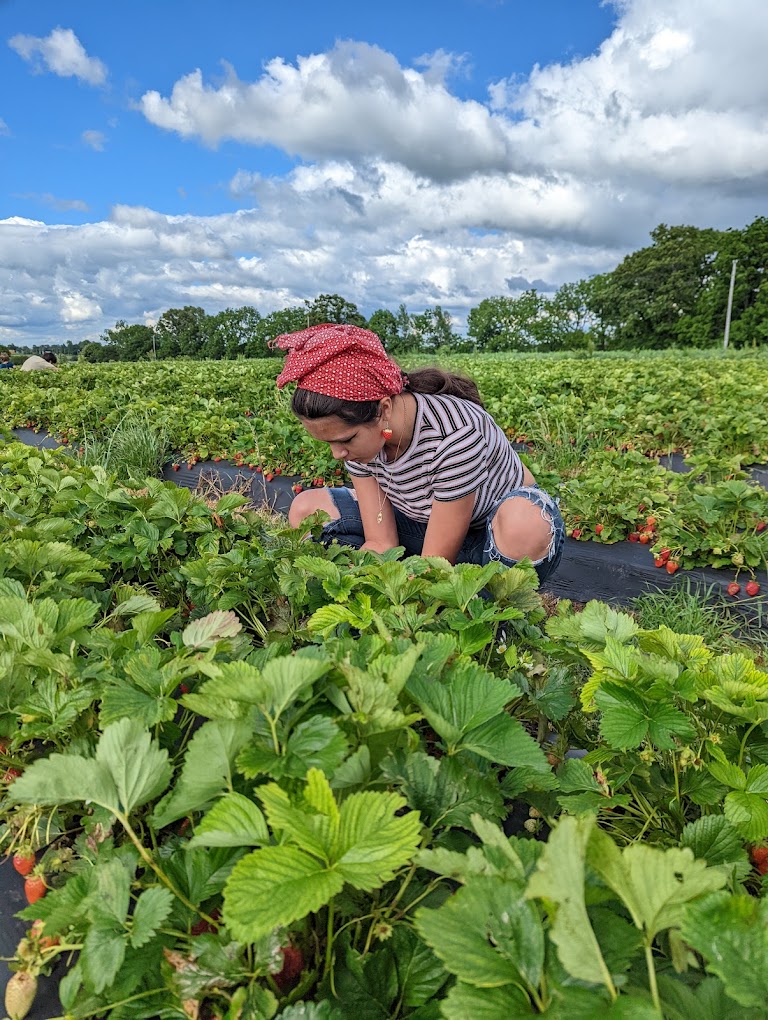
(733, 589)
(10, 774)
(644, 539)
(598, 529)
(293, 965)
(752, 588)
(24, 862)
(759, 856)
(176, 467)
(278, 471)
(633, 536)
(576, 532)
(216, 460)
(761, 526)
(665, 554)
(259, 469)
(297, 488)
(269, 476)
(672, 566)
(203, 927)
(20, 994)
(34, 888)
(650, 521)
(659, 562)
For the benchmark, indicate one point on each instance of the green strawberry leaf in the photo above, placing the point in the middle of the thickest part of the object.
(655, 885)
(232, 821)
(487, 934)
(747, 812)
(731, 933)
(560, 877)
(129, 769)
(276, 885)
(712, 838)
(207, 770)
(152, 908)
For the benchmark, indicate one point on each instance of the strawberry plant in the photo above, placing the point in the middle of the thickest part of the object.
(265, 777)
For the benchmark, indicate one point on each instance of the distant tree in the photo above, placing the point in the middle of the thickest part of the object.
(407, 340)
(127, 343)
(384, 324)
(570, 319)
(509, 324)
(181, 332)
(432, 330)
(286, 320)
(749, 315)
(332, 308)
(228, 332)
(93, 353)
(647, 300)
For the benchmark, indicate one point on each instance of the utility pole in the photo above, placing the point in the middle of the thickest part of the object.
(730, 305)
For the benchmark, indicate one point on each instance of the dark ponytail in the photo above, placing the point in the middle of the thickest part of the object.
(447, 384)
(310, 405)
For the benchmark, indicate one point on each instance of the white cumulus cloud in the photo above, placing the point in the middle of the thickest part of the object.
(62, 53)
(354, 102)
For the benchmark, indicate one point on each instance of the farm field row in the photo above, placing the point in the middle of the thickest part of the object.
(248, 776)
(594, 429)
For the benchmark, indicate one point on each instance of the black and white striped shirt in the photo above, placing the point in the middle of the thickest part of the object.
(457, 448)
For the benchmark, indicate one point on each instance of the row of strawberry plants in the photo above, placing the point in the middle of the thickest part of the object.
(260, 777)
(689, 401)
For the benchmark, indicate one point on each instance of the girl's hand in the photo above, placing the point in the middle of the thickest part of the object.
(378, 547)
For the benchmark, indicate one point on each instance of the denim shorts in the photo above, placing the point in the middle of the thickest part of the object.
(478, 546)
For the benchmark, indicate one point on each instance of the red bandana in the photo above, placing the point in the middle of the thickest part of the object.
(339, 361)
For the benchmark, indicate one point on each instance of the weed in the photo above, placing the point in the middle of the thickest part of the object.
(135, 449)
(690, 608)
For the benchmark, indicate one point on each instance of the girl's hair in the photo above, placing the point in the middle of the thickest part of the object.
(310, 405)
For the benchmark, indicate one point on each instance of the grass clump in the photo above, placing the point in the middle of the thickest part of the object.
(690, 608)
(136, 448)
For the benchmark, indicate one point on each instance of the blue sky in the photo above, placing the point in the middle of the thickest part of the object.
(160, 154)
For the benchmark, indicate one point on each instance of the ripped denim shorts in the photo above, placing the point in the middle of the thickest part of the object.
(479, 545)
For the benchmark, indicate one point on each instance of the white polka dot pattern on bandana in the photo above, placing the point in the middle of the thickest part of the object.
(340, 361)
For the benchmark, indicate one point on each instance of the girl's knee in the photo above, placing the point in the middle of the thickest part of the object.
(522, 528)
(308, 502)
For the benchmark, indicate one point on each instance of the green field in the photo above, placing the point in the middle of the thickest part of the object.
(595, 426)
(248, 776)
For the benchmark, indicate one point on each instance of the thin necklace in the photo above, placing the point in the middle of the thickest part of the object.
(384, 493)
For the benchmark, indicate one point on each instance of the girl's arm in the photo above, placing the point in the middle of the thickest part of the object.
(371, 499)
(448, 526)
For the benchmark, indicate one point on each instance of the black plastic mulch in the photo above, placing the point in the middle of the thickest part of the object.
(46, 1004)
(224, 475)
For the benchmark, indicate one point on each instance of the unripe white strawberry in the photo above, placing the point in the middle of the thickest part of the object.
(20, 994)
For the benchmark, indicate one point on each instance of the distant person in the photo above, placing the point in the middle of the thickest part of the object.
(5, 360)
(48, 360)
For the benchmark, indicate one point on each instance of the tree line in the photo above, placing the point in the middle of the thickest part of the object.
(672, 293)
